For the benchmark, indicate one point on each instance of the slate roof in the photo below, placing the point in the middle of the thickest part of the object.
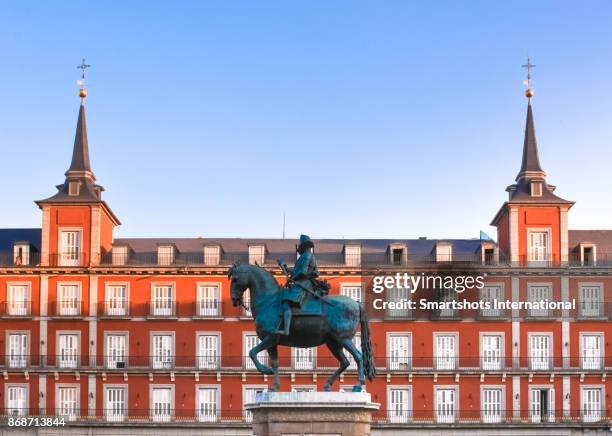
(9, 236)
(601, 238)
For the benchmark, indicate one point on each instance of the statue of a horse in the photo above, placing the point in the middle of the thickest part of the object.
(335, 327)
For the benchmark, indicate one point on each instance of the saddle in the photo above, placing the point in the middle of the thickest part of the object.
(311, 306)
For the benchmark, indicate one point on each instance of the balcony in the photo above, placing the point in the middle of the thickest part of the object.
(16, 309)
(114, 309)
(69, 308)
(162, 309)
(69, 259)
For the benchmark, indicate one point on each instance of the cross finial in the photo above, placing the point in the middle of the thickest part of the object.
(81, 82)
(83, 67)
(529, 66)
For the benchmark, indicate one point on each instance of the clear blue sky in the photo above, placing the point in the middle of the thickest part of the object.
(359, 119)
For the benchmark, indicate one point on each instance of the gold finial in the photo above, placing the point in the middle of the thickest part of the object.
(81, 82)
(529, 91)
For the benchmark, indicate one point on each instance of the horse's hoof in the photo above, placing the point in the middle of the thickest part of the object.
(357, 388)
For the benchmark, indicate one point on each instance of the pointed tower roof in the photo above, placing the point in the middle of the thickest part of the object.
(531, 159)
(80, 152)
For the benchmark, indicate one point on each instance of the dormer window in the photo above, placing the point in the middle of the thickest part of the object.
(257, 254)
(165, 254)
(588, 254)
(74, 187)
(120, 254)
(352, 255)
(212, 255)
(21, 253)
(397, 254)
(536, 189)
(444, 252)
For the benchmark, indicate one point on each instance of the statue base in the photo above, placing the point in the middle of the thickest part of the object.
(312, 414)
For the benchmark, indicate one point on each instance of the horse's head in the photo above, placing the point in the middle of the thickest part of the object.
(239, 275)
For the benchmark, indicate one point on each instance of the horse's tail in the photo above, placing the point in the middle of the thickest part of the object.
(366, 344)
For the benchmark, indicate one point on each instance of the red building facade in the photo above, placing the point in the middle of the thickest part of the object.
(138, 332)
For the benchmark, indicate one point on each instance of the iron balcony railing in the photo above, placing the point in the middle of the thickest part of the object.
(69, 307)
(309, 360)
(395, 415)
(16, 308)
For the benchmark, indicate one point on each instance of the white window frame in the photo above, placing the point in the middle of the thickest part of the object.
(536, 189)
(446, 418)
(303, 358)
(537, 364)
(155, 417)
(485, 414)
(582, 257)
(257, 254)
(15, 306)
(12, 410)
(212, 255)
(446, 363)
(111, 360)
(539, 257)
(205, 361)
(487, 362)
(166, 254)
(113, 308)
(206, 307)
(601, 414)
(58, 407)
(533, 288)
(444, 252)
(110, 413)
(403, 413)
(22, 258)
(396, 295)
(76, 360)
(551, 403)
(486, 295)
(21, 359)
(349, 289)
(396, 359)
(120, 254)
(69, 305)
(216, 412)
(592, 362)
(592, 312)
(357, 343)
(163, 361)
(163, 307)
(69, 256)
(352, 255)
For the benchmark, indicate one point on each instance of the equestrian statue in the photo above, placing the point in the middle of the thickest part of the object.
(302, 314)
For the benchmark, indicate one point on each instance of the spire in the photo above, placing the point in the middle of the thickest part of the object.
(80, 153)
(530, 166)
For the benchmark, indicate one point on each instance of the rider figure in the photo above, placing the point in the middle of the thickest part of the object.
(301, 277)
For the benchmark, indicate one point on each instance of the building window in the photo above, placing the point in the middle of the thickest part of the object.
(212, 255)
(161, 404)
(74, 188)
(115, 406)
(491, 352)
(445, 351)
(540, 351)
(67, 402)
(69, 300)
(165, 255)
(536, 189)
(163, 301)
(257, 254)
(399, 351)
(447, 296)
(21, 254)
(352, 255)
(249, 395)
(17, 347)
(163, 351)
(250, 341)
(246, 310)
(116, 301)
(207, 409)
(538, 246)
(303, 358)
(208, 351)
(17, 400)
(444, 252)
(401, 297)
(352, 291)
(116, 350)
(396, 253)
(490, 294)
(446, 404)
(591, 404)
(590, 300)
(399, 404)
(208, 300)
(542, 404)
(70, 248)
(539, 293)
(591, 356)
(357, 343)
(120, 255)
(492, 409)
(68, 350)
(18, 300)
(588, 254)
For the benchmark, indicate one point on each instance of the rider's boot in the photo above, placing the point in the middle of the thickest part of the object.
(286, 321)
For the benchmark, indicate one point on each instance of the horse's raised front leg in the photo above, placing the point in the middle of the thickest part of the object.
(336, 350)
(273, 353)
(267, 342)
(350, 347)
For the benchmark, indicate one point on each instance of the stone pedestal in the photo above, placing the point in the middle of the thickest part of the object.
(312, 414)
